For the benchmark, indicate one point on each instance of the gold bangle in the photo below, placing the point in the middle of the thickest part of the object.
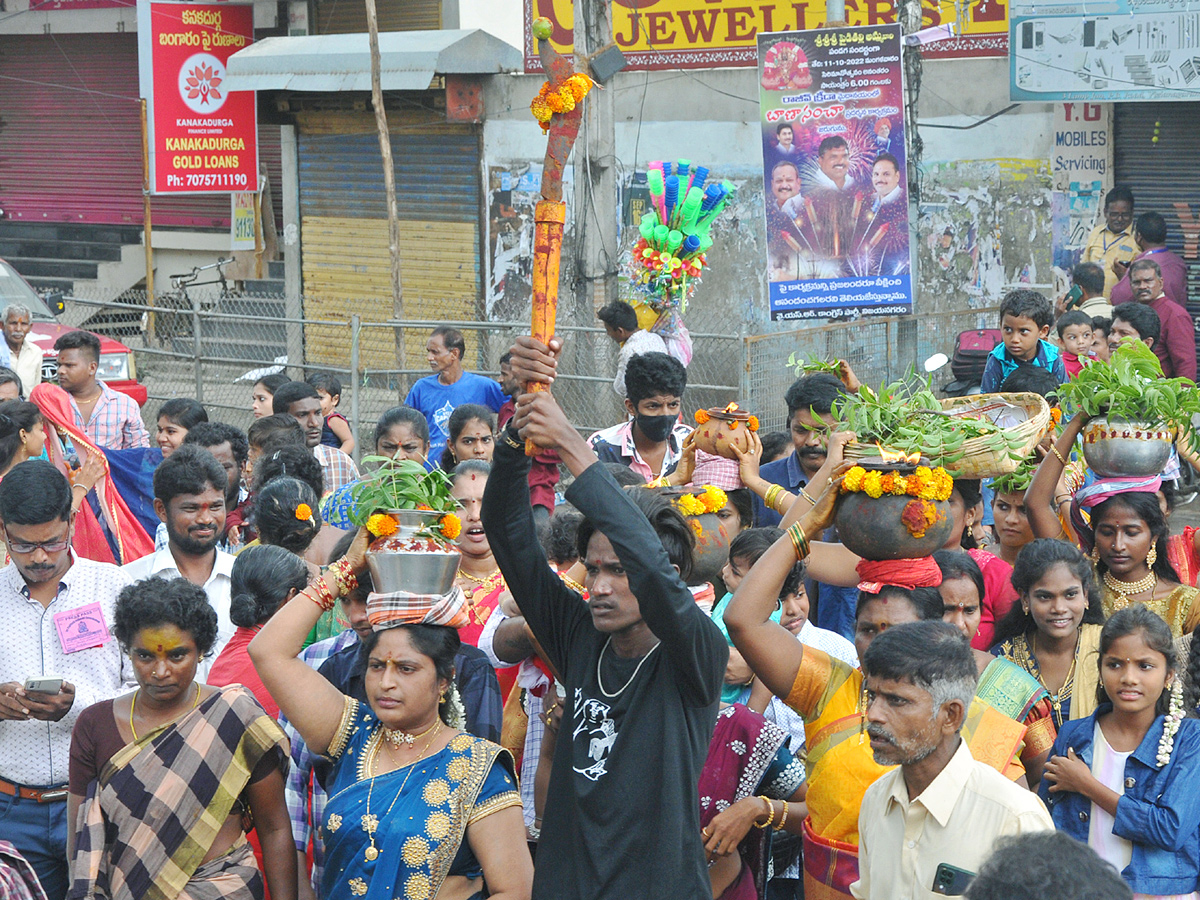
(799, 540)
(807, 496)
(783, 503)
(770, 814)
(507, 438)
(783, 817)
(1054, 450)
(770, 495)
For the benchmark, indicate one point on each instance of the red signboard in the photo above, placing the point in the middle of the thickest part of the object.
(202, 136)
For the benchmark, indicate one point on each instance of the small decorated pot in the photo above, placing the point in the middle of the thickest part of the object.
(721, 428)
(700, 506)
(1118, 448)
(894, 511)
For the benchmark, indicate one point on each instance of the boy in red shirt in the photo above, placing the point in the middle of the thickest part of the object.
(1075, 336)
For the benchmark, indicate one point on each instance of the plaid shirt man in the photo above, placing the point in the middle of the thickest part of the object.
(339, 468)
(116, 421)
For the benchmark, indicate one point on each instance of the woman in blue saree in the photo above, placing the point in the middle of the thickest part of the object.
(417, 809)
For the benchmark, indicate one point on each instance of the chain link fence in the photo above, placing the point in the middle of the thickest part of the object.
(214, 347)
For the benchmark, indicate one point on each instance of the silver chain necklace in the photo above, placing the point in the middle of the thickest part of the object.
(600, 659)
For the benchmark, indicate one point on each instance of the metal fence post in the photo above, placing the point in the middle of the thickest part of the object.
(197, 348)
(355, 381)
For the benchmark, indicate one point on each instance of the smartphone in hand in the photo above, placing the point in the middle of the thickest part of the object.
(43, 684)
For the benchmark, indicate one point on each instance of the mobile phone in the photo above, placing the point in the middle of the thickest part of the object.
(1074, 297)
(951, 880)
(43, 684)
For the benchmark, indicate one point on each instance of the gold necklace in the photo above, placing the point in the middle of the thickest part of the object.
(398, 737)
(484, 580)
(1068, 686)
(1129, 589)
(369, 822)
(133, 703)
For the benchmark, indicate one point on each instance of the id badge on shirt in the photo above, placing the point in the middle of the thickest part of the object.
(82, 628)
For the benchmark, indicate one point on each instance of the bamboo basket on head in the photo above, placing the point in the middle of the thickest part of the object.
(1023, 418)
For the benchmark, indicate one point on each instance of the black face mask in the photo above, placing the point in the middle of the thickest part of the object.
(655, 428)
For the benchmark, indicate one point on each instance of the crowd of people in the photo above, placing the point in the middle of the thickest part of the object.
(659, 672)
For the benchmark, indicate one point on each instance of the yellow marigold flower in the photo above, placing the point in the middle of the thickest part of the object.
(541, 109)
(701, 416)
(451, 526)
(873, 484)
(579, 84)
(567, 98)
(899, 487)
(304, 512)
(555, 102)
(752, 423)
(382, 525)
(714, 498)
(690, 505)
(853, 480)
(943, 484)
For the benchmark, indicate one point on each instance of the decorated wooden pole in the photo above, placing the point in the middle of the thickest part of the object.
(558, 107)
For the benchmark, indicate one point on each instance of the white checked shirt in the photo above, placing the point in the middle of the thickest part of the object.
(36, 753)
(218, 588)
(116, 421)
(339, 468)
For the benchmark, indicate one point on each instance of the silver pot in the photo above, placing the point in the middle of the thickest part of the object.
(420, 571)
(1118, 448)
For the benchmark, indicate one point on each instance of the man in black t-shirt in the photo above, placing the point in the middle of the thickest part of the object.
(642, 665)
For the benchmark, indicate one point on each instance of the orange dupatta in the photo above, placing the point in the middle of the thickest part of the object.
(90, 542)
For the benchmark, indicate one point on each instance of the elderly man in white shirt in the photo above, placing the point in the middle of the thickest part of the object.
(931, 821)
(621, 323)
(57, 611)
(189, 497)
(25, 357)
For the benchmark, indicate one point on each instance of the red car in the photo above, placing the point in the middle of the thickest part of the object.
(117, 368)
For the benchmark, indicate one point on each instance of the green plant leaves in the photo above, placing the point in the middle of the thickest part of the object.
(398, 484)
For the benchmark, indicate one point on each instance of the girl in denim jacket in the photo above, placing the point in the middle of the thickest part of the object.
(1126, 779)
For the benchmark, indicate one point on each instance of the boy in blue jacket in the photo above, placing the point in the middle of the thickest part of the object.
(1025, 320)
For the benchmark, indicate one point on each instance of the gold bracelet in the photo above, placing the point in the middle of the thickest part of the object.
(772, 495)
(782, 818)
(507, 438)
(345, 580)
(807, 496)
(1054, 450)
(799, 540)
(770, 814)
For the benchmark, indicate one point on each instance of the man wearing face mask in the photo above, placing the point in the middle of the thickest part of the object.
(652, 441)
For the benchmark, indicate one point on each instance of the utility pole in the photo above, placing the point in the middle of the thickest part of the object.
(595, 214)
(389, 181)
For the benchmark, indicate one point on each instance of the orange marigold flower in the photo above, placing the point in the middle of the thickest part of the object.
(701, 416)
(579, 84)
(425, 506)
(382, 525)
(304, 512)
(1055, 415)
(451, 526)
(690, 505)
(714, 499)
(752, 423)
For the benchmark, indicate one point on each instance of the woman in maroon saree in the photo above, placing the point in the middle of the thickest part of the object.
(751, 784)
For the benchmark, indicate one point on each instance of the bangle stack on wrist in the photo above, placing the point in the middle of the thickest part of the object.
(345, 580)
(319, 593)
(774, 493)
(807, 496)
(799, 540)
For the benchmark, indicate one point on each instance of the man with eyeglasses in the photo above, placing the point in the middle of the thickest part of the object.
(57, 614)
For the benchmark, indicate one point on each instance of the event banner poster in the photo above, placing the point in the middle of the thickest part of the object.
(693, 34)
(1117, 50)
(203, 138)
(836, 195)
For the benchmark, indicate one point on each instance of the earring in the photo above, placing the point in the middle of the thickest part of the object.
(1094, 556)
(1152, 556)
(442, 698)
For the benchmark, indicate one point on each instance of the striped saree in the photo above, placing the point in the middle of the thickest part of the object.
(153, 814)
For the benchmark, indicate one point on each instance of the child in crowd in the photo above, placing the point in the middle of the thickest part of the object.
(176, 418)
(1101, 326)
(1025, 319)
(1124, 778)
(1075, 335)
(337, 432)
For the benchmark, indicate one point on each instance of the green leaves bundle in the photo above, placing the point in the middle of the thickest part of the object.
(1131, 386)
(399, 484)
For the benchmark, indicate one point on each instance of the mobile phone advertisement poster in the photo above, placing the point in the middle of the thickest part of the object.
(832, 106)
(203, 137)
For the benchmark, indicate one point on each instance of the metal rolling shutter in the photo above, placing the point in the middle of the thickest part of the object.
(1164, 176)
(70, 136)
(346, 264)
(350, 16)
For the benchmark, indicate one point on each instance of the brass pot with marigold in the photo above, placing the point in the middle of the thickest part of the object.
(720, 429)
(895, 510)
(700, 505)
(412, 517)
